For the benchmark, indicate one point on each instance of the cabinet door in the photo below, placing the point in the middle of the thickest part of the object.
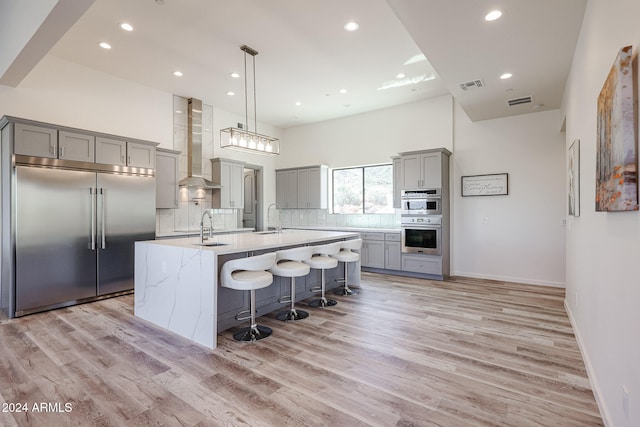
(281, 188)
(397, 182)
(303, 188)
(411, 172)
(431, 170)
(237, 186)
(374, 253)
(141, 155)
(166, 180)
(76, 146)
(393, 256)
(314, 189)
(35, 141)
(291, 201)
(111, 151)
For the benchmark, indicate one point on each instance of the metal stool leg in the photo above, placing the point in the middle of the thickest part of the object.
(254, 332)
(323, 301)
(345, 290)
(292, 314)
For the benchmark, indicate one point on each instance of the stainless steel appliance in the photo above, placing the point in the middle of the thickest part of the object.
(75, 227)
(421, 202)
(421, 234)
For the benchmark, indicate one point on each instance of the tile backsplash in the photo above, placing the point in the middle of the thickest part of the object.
(322, 218)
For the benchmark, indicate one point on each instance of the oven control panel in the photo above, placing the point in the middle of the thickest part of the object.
(421, 220)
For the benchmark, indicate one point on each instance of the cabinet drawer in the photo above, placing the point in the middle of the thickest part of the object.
(373, 236)
(392, 237)
(422, 264)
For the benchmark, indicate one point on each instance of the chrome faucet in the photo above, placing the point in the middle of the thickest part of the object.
(207, 212)
(279, 222)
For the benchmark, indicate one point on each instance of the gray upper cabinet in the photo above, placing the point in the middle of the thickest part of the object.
(76, 146)
(141, 155)
(312, 188)
(426, 169)
(287, 189)
(302, 188)
(36, 141)
(230, 175)
(167, 178)
(397, 181)
(111, 151)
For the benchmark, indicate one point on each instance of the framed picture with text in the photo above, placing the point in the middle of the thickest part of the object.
(496, 184)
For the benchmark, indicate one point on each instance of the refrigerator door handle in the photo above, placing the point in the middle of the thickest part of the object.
(102, 221)
(93, 219)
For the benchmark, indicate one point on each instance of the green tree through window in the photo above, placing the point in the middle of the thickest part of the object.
(366, 189)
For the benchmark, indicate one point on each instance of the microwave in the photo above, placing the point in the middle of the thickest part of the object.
(421, 202)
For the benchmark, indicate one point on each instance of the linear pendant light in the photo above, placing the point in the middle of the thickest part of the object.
(243, 139)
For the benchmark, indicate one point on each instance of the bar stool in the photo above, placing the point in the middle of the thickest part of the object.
(249, 274)
(321, 260)
(289, 264)
(347, 255)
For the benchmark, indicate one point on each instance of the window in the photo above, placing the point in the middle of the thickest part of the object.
(366, 189)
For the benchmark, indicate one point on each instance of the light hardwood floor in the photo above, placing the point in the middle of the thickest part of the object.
(405, 352)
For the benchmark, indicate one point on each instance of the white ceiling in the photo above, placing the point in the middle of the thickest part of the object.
(306, 56)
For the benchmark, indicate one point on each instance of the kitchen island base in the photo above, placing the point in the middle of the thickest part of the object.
(177, 285)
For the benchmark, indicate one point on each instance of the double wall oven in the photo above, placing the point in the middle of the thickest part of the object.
(421, 221)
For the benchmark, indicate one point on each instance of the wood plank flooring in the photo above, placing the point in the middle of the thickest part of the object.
(404, 352)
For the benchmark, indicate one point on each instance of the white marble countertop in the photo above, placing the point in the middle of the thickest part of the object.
(248, 242)
(338, 228)
(185, 233)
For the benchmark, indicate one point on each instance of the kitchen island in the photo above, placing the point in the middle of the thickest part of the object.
(177, 280)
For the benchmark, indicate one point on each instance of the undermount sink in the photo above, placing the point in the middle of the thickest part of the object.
(210, 244)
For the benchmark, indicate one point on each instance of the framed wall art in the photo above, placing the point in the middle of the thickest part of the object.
(496, 184)
(574, 178)
(616, 158)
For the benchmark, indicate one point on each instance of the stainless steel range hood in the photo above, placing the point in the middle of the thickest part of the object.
(194, 177)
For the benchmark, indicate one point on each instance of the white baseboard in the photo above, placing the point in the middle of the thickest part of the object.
(527, 281)
(604, 413)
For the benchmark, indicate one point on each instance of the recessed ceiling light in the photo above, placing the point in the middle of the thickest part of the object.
(343, 91)
(230, 93)
(105, 45)
(298, 103)
(493, 15)
(126, 26)
(234, 75)
(506, 76)
(351, 26)
(178, 73)
(401, 75)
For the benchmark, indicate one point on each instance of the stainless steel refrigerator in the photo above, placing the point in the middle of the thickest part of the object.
(75, 232)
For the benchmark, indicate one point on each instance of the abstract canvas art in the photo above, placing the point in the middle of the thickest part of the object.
(574, 178)
(616, 164)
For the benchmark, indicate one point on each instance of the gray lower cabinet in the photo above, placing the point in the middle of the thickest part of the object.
(392, 251)
(422, 264)
(372, 253)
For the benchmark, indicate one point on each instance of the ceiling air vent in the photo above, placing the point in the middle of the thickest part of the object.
(518, 101)
(472, 84)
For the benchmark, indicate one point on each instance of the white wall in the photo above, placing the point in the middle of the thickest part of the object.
(67, 94)
(518, 237)
(603, 249)
(370, 138)
(523, 239)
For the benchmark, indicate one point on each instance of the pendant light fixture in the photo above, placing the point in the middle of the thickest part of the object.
(240, 138)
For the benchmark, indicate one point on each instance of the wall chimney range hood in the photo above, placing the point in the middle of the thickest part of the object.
(194, 177)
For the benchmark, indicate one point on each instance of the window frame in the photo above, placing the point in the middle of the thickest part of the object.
(363, 168)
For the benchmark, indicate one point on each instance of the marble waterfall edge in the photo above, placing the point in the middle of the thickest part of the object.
(172, 296)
